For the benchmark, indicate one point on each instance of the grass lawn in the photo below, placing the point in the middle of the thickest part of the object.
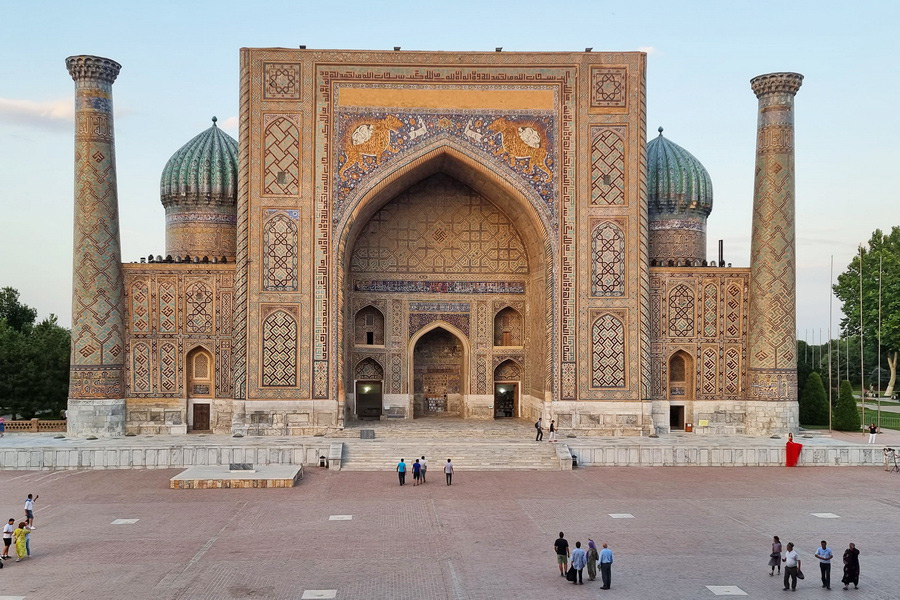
(889, 420)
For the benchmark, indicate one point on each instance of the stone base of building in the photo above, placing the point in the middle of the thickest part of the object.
(104, 417)
(730, 417)
(600, 418)
(285, 417)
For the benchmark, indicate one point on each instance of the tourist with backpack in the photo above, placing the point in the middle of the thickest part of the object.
(540, 429)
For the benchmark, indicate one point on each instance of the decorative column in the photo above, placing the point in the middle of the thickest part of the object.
(96, 385)
(773, 301)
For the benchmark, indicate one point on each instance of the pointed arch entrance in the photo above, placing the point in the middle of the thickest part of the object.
(444, 238)
(438, 357)
(681, 388)
(200, 370)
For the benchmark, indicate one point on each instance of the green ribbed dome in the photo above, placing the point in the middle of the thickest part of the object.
(203, 170)
(677, 184)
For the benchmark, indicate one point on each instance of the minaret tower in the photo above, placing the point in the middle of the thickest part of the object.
(96, 385)
(773, 301)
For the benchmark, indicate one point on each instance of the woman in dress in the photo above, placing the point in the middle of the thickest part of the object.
(851, 567)
(792, 451)
(775, 556)
(592, 557)
(19, 539)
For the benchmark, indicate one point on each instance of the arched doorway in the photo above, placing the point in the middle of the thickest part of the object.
(369, 379)
(438, 375)
(681, 388)
(200, 370)
(507, 380)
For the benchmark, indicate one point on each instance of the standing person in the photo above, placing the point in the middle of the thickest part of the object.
(775, 556)
(424, 468)
(417, 472)
(792, 451)
(824, 555)
(540, 429)
(606, 561)
(592, 557)
(19, 538)
(552, 431)
(561, 546)
(873, 431)
(791, 566)
(7, 538)
(579, 560)
(2, 426)
(851, 567)
(29, 510)
(401, 471)
(448, 472)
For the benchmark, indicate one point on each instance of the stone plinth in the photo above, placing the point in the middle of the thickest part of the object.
(217, 477)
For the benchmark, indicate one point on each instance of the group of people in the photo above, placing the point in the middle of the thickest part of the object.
(572, 562)
(792, 564)
(419, 469)
(19, 535)
(539, 426)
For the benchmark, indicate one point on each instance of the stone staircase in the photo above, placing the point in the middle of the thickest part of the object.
(384, 454)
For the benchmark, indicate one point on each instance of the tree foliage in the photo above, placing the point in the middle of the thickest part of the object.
(846, 413)
(34, 361)
(883, 248)
(813, 402)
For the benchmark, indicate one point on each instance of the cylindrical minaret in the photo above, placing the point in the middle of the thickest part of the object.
(773, 302)
(96, 385)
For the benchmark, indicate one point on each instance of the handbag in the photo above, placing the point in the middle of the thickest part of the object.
(570, 574)
(800, 574)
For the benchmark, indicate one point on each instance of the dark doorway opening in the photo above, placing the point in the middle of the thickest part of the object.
(505, 395)
(201, 417)
(368, 400)
(676, 417)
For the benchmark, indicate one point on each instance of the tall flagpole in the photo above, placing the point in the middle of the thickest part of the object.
(879, 338)
(830, 298)
(862, 370)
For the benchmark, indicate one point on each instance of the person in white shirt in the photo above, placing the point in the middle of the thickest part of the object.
(7, 537)
(791, 567)
(29, 511)
(825, 555)
(424, 468)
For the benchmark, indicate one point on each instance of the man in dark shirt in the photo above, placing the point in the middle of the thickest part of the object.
(562, 553)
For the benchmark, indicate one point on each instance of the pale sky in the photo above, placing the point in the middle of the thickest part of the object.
(180, 67)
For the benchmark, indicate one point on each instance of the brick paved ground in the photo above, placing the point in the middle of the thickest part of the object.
(488, 536)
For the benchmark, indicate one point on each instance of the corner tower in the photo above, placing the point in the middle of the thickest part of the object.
(773, 302)
(96, 386)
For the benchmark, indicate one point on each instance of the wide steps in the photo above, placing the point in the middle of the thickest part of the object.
(375, 455)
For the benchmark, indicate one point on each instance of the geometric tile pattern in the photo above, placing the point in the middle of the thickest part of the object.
(608, 87)
(369, 369)
(140, 367)
(607, 260)
(168, 368)
(681, 312)
(281, 81)
(608, 165)
(732, 371)
(168, 307)
(140, 307)
(709, 365)
(279, 350)
(198, 309)
(281, 175)
(508, 329)
(280, 253)
(608, 352)
(507, 371)
(710, 310)
(733, 302)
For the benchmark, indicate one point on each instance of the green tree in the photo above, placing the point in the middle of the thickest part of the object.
(34, 361)
(884, 249)
(813, 402)
(846, 413)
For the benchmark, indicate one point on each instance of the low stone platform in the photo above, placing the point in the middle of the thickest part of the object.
(220, 476)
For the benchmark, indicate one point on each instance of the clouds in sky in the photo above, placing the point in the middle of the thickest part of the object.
(50, 114)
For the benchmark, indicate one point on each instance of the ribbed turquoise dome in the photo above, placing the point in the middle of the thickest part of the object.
(205, 170)
(677, 184)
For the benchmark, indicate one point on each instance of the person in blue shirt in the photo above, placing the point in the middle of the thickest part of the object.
(824, 555)
(579, 560)
(606, 561)
(417, 471)
(401, 471)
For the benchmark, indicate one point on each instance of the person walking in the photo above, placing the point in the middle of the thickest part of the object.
(851, 567)
(579, 560)
(552, 431)
(417, 472)
(606, 561)
(19, 539)
(824, 555)
(775, 556)
(540, 429)
(401, 471)
(424, 468)
(873, 431)
(791, 562)
(448, 472)
(7, 538)
(29, 511)
(561, 547)
(592, 557)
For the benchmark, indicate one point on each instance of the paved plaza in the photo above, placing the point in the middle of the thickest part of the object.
(124, 534)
